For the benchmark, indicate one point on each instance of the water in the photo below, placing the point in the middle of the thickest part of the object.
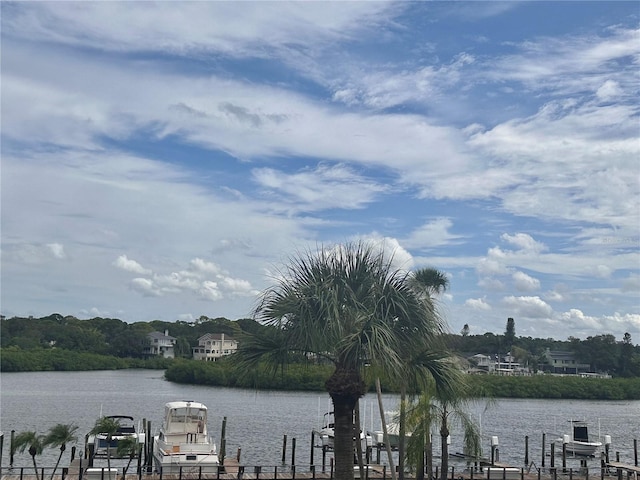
(258, 420)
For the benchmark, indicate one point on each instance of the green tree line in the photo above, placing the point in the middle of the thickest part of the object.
(109, 343)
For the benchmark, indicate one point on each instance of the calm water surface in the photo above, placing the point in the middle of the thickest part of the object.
(257, 420)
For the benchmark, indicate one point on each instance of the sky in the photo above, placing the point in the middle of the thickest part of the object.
(166, 160)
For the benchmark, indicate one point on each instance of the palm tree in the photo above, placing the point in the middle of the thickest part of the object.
(451, 409)
(349, 306)
(58, 436)
(427, 283)
(106, 426)
(128, 447)
(33, 442)
(419, 419)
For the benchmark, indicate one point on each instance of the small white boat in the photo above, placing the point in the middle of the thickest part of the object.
(327, 433)
(100, 446)
(393, 431)
(578, 443)
(183, 443)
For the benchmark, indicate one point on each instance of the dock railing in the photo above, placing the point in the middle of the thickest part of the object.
(282, 472)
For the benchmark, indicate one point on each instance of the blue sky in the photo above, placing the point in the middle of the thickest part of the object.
(163, 160)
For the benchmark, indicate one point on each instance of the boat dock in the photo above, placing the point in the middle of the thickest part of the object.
(232, 470)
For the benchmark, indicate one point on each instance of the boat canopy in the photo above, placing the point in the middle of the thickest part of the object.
(179, 416)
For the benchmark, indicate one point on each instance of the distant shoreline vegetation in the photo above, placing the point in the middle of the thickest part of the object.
(310, 377)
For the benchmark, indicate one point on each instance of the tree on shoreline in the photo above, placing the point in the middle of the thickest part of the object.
(350, 307)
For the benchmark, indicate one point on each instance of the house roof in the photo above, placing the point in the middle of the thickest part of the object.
(160, 336)
(215, 336)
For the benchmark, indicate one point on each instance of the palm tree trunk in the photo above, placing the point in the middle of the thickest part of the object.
(35, 466)
(421, 466)
(109, 455)
(358, 439)
(343, 437)
(429, 456)
(385, 433)
(444, 434)
(55, 469)
(402, 432)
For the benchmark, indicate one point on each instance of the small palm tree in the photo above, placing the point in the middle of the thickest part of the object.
(451, 409)
(128, 447)
(33, 442)
(106, 426)
(426, 283)
(436, 408)
(58, 436)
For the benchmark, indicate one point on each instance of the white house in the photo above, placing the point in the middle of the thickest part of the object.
(212, 346)
(161, 344)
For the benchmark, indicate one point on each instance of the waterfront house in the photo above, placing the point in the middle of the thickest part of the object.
(497, 365)
(160, 344)
(562, 362)
(212, 346)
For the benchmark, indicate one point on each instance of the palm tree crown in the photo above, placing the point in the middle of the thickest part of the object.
(58, 436)
(106, 426)
(32, 442)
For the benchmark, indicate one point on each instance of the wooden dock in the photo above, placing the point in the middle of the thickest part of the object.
(232, 470)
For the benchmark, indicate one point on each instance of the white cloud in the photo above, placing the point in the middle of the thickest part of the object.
(323, 187)
(524, 242)
(209, 291)
(491, 266)
(57, 250)
(129, 265)
(431, 234)
(194, 27)
(238, 286)
(202, 266)
(529, 307)
(560, 293)
(477, 304)
(608, 90)
(145, 287)
(525, 283)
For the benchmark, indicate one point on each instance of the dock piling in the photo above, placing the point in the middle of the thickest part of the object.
(544, 437)
(284, 449)
(293, 452)
(12, 448)
(526, 450)
(223, 438)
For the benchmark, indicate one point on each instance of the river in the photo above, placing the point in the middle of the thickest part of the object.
(258, 420)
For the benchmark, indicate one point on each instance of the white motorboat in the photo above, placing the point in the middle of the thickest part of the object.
(578, 442)
(99, 445)
(183, 443)
(393, 431)
(326, 433)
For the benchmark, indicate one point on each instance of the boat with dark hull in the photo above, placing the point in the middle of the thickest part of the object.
(101, 445)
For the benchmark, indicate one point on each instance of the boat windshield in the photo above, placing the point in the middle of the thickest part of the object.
(188, 415)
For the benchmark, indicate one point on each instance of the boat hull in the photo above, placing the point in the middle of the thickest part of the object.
(185, 463)
(575, 447)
